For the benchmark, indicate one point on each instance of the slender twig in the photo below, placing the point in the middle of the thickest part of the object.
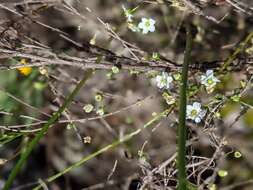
(24, 103)
(238, 185)
(239, 49)
(16, 128)
(106, 148)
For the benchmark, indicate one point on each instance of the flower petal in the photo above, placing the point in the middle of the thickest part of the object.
(158, 78)
(196, 105)
(151, 21)
(197, 119)
(152, 28)
(141, 25)
(202, 113)
(145, 30)
(209, 72)
(143, 20)
(169, 79)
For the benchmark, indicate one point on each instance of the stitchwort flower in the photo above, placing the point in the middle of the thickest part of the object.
(194, 112)
(147, 25)
(115, 69)
(88, 108)
(164, 80)
(209, 80)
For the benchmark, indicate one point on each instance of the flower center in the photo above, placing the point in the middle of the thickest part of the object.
(194, 113)
(210, 81)
(147, 23)
(163, 81)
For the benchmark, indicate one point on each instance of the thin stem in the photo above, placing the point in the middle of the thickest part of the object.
(181, 144)
(87, 74)
(106, 148)
(239, 49)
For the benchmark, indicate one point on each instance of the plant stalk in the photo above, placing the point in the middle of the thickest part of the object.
(114, 144)
(181, 132)
(87, 74)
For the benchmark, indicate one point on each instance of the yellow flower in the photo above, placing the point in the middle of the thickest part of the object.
(25, 70)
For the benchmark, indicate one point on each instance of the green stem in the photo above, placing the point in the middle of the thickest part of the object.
(51, 121)
(241, 47)
(106, 148)
(181, 144)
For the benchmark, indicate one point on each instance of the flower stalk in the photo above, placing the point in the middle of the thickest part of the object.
(181, 133)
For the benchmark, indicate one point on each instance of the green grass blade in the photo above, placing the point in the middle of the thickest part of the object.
(39, 135)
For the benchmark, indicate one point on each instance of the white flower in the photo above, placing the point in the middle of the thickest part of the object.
(88, 108)
(128, 14)
(147, 25)
(209, 80)
(115, 69)
(194, 112)
(163, 80)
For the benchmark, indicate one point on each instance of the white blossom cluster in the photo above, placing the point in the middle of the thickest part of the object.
(194, 111)
(164, 80)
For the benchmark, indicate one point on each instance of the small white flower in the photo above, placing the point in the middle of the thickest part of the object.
(88, 108)
(147, 25)
(128, 14)
(209, 80)
(115, 69)
(194, 112)
(163, 80)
